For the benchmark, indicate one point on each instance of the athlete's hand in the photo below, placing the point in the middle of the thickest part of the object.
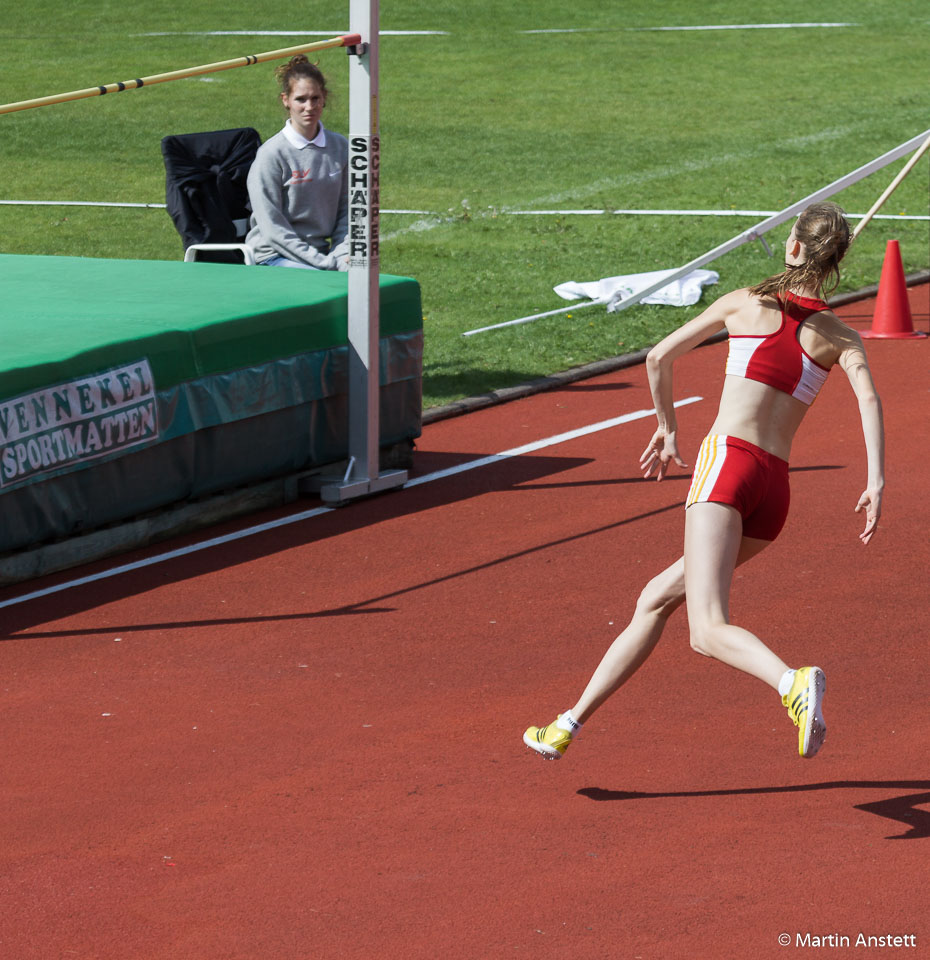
(662, 449)
(871, 503)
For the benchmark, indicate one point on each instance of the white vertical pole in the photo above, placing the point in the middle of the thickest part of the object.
(364, 332)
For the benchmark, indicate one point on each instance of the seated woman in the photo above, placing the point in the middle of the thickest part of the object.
(297, 184)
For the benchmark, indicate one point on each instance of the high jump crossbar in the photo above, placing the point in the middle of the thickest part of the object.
(348, 40)
(756, 232)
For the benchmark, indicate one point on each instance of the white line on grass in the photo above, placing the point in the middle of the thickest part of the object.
(418, 226)
(445, 33)
(288, 33)
(319, 511)
(569, 30)
(502, 213)
(724, 26)
(154, 206)
(683, 213)
(76, 203)
(639, 213)
(750, 26)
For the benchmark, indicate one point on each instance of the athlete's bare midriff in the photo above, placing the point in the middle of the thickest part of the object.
(759, 414)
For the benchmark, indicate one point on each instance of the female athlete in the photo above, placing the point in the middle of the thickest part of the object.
(783, 341)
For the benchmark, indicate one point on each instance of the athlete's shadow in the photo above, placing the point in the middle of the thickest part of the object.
(669, 478)
(904, 809)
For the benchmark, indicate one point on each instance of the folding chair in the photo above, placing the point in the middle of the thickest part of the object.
(206, 192)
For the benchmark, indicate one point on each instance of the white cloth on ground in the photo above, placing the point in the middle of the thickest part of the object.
(680, 293)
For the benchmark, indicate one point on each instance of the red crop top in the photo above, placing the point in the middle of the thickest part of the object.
(779, 360)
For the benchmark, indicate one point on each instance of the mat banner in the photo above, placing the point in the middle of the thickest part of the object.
(83, 424)
(69, 424)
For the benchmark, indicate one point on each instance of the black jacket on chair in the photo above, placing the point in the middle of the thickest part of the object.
(205, 186)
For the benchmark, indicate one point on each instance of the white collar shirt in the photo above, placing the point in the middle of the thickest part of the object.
(299, 141)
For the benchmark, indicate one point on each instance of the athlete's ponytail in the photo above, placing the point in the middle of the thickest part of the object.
(824, 232)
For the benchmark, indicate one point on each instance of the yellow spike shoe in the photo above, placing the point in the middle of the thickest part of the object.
(551, 741)
(805, 707)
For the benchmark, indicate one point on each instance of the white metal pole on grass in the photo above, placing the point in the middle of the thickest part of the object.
(753, 233)
(892, 187)
(364, 329)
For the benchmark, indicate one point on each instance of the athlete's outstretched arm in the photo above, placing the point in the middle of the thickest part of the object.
(854, 363)
(663, 447)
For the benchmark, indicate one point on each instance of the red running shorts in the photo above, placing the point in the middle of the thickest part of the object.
(739, 473)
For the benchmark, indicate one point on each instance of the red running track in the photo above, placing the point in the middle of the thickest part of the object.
(307, 743)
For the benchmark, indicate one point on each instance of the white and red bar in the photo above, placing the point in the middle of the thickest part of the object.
(348, 40)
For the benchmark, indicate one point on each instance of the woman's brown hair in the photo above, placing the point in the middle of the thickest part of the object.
(824, 231)
(296, 68)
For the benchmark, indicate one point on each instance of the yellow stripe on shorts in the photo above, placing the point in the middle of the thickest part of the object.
(706, 459)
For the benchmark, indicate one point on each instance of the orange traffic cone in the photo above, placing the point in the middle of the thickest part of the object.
(892, 318)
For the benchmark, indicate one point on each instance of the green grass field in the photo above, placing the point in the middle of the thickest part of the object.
(488, 119)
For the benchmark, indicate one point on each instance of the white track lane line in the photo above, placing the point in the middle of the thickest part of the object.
(541, 444)
(319, 511)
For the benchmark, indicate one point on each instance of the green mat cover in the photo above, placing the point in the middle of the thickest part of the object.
(112, 360)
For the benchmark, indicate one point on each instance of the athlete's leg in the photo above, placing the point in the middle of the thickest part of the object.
(713, 542)
(660, 598)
